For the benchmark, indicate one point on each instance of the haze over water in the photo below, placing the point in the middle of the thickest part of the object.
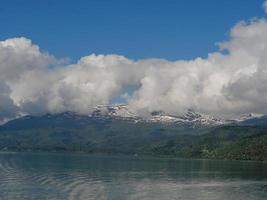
(73, 176)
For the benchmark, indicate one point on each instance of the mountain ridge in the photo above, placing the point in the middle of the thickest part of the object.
(122, 112)
(105, 132)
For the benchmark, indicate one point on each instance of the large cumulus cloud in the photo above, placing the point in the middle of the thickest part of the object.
(228, 83)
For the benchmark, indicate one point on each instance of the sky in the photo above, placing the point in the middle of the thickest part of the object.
(170, 56)
(170, 29)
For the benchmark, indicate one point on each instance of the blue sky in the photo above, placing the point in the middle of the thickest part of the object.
(181, 29)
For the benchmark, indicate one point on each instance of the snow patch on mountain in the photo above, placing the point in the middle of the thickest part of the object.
(248, 116)
(123, 112)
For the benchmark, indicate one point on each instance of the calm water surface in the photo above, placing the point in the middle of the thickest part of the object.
(73, 176)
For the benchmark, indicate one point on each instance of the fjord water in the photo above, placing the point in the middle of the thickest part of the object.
(74, 176)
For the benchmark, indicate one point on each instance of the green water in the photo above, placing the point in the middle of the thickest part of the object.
(51, 176)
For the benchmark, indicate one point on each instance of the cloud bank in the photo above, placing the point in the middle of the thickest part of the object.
(228, 83)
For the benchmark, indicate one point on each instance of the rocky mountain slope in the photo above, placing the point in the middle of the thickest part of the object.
(124, 113)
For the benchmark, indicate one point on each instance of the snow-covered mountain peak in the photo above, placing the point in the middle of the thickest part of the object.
(248, 116)
(116, 111)
(190, 117)
(123, 112)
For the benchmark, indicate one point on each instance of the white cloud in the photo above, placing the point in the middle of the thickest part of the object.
(223, 84)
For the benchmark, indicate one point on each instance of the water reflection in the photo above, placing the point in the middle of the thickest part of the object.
(73, 176)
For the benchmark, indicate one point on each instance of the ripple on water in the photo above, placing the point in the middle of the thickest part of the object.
(33, 179)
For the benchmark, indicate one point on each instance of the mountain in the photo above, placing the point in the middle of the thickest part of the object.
(190, 118)
(104, 113)
(106, 129)
(255, 121)
(115, 112)
(248, 116)
(118, 130)
(66, 119)
(95, 133)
